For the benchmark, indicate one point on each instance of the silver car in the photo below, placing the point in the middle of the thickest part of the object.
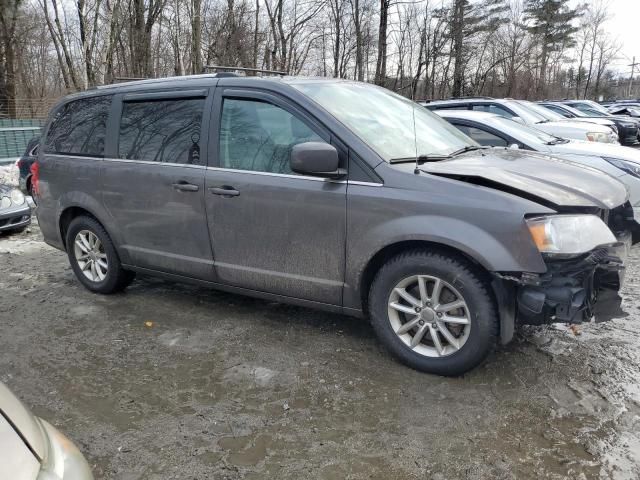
(494, 130)
(30, 448)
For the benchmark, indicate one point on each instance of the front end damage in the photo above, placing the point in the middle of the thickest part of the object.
(573, 290)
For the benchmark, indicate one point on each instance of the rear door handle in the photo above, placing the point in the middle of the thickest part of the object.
(186, 187)
(225, 191)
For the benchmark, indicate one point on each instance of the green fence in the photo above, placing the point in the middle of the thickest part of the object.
(14, 136)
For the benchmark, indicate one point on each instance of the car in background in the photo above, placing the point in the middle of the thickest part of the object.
(630, 110)
(556, 117)
(521, 112)
(15, 212)
(24, 165)
(496, 131)
(628, 128)
(623, 109)
(32, 449)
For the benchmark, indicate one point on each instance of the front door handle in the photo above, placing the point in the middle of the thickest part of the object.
(225, 191)
(186, 187)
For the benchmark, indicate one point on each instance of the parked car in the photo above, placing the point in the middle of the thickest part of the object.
(632, 111)
(493, 130)
(522, 113)
(330, 194)
(32, 448)
(591, 107)
(15, 212)
(24, 165)
(627, 127)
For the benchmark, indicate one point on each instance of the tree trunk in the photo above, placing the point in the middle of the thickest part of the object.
(381, 64)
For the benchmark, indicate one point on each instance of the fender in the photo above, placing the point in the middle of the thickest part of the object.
(514, 251)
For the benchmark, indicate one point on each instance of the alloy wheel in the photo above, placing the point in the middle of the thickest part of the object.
(90, 255)
(429, 315)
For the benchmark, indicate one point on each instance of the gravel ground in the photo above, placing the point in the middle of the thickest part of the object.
(174, 381)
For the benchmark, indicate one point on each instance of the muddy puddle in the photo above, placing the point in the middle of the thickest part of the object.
(175, 381)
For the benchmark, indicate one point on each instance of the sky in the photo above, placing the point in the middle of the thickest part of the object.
(624, 25)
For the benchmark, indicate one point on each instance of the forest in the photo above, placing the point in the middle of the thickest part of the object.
(423, 49)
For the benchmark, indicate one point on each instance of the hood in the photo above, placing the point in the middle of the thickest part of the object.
(598, 149)
(582, 126)
(596, 120)
(546, 180)
(22, 420)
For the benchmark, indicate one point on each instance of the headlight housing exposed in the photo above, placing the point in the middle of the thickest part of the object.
(569, 235)
(17, 197)
(628, 167)
(598, 137)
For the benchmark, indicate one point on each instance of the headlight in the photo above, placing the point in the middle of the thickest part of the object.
(569, 234)
(598, 137)
(5, 202)
(17, 197)
(628, 167)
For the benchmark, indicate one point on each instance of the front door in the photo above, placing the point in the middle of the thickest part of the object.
(271, 229)
(153, 183)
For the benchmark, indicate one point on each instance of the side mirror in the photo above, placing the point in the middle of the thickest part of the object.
(317, 159)
(514, 146)
(518, 119)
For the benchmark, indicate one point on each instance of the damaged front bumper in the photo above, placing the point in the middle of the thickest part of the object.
(573, 290)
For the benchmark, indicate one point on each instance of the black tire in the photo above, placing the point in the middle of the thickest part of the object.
(116, 278)
(469, 283)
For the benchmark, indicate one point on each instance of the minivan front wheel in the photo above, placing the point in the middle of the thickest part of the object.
(434, 312)
(93, 257)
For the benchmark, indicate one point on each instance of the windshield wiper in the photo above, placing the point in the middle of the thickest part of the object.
(437, 157)
(421, 159)
(468, 148)
(557, 141)
(543, 121)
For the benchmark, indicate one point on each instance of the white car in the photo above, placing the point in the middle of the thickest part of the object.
(496, 131)
(521, 112)
(32, 449)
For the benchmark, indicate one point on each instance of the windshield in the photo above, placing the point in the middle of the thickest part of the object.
(530, 136)
(385, 120)
(587, 104)
(523, 111)
(543, 112)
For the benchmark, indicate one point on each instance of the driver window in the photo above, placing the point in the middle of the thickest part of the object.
(259, 136)
(483, 137)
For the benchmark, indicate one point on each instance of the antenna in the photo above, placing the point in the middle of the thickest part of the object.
(415, 141)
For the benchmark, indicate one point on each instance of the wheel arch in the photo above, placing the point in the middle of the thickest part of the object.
(503, 294)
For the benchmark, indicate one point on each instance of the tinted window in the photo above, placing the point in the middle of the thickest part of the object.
(259, 136)
(161, 130)
(79, 127)
(496, 109)
(483, 137)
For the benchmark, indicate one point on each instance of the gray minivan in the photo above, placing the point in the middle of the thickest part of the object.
(330, 194)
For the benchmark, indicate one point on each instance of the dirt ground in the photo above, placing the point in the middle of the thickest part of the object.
(223, 386)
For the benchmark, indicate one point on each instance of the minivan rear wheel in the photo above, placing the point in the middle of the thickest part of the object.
(434, 312)
(93, 257)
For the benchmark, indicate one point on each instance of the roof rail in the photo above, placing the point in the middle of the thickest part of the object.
(471, 97)
(226, 69)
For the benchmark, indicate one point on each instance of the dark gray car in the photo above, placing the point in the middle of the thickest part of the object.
(320, 193)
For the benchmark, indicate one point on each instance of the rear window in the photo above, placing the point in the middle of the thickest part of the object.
(79, 127)
(161, 130)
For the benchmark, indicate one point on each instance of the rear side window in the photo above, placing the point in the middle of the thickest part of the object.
(165, 131)
(79, 127)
